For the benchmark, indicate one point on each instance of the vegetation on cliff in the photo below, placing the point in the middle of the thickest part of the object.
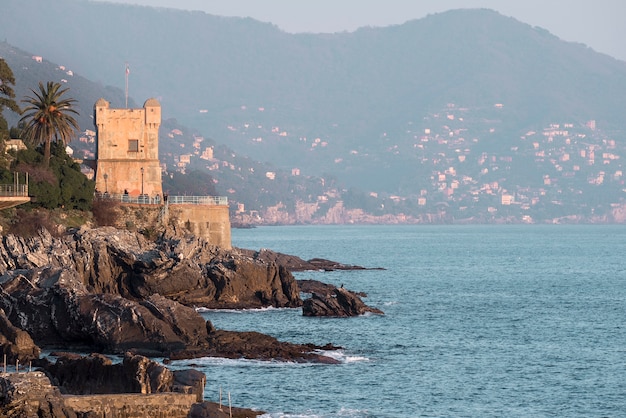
(48, 117)
(54, 179)
(59, 189)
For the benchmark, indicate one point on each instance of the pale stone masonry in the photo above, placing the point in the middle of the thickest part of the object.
(127, 151)
(127, 170)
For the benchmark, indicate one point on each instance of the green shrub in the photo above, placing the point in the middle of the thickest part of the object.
(61, 185)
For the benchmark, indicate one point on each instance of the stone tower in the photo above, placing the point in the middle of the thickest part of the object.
(127, 153)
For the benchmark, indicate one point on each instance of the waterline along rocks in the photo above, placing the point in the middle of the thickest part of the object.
(111, 291)
(106, 290)
(93, 386)
(336, 302)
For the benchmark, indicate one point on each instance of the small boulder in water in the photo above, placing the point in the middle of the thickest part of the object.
(341, 303)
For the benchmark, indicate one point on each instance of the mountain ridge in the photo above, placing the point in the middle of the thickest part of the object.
(194, 56)
(381, 110)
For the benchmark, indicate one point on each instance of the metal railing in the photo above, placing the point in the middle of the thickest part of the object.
(198, 200)
(171, 200)
(20, 190)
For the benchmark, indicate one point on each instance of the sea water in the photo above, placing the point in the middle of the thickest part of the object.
(480, 321)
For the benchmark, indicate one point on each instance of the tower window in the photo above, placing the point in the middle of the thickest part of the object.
(133, 145)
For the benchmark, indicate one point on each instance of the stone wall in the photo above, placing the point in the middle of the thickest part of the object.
(211, 222)
(171, 405)
(136, 217)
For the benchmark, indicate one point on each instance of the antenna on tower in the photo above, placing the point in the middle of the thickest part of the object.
(127, 72)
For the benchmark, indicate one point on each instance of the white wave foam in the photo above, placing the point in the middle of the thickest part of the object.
(240, 311)
(341, 356)
(347, 412)
(240, 362)
(338, 355)
(343, 412)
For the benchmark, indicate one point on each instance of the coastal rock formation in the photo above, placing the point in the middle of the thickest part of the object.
(227, 280)
(256, 346)
(214, 410)
(53, 305)
(96, 374)
(293, 263)
(16, 344)
(112, 291)
(315, 286)
(340, 303)
(185, 269)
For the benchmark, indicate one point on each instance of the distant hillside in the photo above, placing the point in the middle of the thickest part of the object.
(463, 116)
(272, 94)
(243, 179)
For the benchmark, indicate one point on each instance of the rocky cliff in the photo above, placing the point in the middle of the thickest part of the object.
(111, 290)
(186, 269)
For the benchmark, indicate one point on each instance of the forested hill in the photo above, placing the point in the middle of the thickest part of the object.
(443, 108)
(363, 83)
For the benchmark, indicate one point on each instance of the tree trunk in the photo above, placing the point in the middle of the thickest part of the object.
(46, 152)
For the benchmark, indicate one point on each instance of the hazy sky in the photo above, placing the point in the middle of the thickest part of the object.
(596, 23)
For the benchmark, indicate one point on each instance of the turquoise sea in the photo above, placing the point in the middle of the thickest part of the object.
(480, 321)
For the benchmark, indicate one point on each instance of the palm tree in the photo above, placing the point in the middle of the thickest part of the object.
(48, 117)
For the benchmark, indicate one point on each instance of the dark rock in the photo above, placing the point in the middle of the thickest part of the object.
(97, 374)
(190, 381)
(234, 283)
(15, 343)
(254, 345)
(55, 308)
(315, 286)
(215, 410)
(328, 265)
(82, 375)
(321, 288)
(293, 263)
(112, 291)
(188, 270)
(341, 303)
